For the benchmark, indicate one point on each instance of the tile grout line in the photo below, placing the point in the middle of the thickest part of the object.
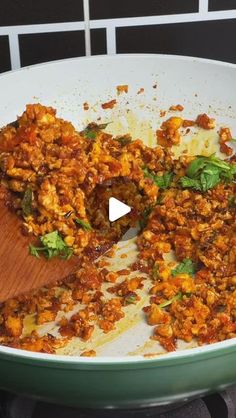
(42, 28)
(203, 7)
(14, 51)
(87, 28)
(111, 39)
(120, 22)
(163, 19)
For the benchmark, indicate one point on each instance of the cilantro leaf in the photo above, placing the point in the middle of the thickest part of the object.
(163, 182)
(34, 250)
(187, 266)
(53, 245)
(170, 301)
(27, 201)
(85, 225)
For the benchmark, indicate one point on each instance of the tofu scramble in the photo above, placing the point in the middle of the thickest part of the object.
(58, 181)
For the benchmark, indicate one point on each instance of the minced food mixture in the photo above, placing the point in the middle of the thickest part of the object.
(58, 181)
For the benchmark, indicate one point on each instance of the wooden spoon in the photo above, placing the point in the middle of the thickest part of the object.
(21, 272)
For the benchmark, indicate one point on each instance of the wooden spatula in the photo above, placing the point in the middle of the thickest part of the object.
(20, 272)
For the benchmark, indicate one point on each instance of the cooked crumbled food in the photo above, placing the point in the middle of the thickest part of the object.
(58, 181)
(176, 108)
(205, 122)
(169, 133)
(122, 89)
(225, 138)
(110, 104)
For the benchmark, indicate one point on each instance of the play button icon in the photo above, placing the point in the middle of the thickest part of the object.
(117, 209)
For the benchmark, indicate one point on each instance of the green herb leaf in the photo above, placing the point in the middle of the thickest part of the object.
(145, 215)
(187, 182)
(90, 132)
(209, 177)
(27, 201)
(52, 246)
(170, 301)
(204, 173)
(200, 162)
(130, 299)
(155, 271)
(187, 266)
(102, 126)
(195, 166)
(34, 250)
(161, 181)
(123, 140)
(85, 225)
(232, 201)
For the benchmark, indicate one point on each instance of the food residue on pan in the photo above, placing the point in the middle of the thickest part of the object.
(110, 104)
(122, 89)
(59, 181)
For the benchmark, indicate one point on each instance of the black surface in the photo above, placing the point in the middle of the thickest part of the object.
(23, 12)
(98, 41)
(103, 9)
(222, 4)
(211, 39)
(194, 409)
(5, 61)
(42, 47)
(218, 405)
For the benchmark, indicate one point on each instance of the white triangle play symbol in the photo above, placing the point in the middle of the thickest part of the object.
(117, 209)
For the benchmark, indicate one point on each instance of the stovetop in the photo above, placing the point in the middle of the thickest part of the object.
(218, 405)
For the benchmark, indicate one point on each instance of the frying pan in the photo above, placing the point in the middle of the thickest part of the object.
(122, 375)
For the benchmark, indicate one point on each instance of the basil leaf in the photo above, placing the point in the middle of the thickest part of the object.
(204, 173)
(195, 166)
(209, 178)
(187, 182)
(187, 266)
(27, 201)
(200, 162)
(163, 182)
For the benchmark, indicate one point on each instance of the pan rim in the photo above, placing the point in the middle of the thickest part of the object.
(117, 57)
